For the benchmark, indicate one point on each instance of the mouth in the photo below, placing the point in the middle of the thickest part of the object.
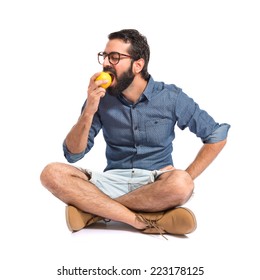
(110, 71)
(112, 77)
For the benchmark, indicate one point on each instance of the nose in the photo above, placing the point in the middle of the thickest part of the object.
(106, 62)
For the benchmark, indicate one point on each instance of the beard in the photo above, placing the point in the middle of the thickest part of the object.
(122, 82)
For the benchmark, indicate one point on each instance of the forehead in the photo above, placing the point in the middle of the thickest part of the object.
(117, 45)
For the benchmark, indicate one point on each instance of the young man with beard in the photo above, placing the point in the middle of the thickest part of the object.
(139, 186)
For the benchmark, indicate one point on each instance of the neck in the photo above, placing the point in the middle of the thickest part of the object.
(135, 90)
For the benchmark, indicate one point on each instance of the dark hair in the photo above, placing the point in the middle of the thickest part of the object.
(139, 46)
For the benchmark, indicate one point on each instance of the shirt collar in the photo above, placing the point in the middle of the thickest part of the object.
(148, 92)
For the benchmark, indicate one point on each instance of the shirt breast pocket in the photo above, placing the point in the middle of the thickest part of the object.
(159, 132)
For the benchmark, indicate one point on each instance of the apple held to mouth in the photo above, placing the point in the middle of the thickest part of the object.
(106, 77)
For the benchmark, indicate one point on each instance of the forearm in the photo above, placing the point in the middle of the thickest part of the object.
(77, 139)
(204, 158)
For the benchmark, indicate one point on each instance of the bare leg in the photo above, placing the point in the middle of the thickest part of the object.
(72, 187)
(171, 189)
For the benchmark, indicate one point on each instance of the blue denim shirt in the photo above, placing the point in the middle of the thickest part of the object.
(141, 135)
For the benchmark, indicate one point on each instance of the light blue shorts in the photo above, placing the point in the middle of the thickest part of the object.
(118, 182)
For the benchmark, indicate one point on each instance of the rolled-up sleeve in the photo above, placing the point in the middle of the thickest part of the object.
(71, 158)
(219, 134)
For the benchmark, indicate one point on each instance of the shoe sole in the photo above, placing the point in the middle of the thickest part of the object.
(182, 222)
(194, 219)
(74, 218)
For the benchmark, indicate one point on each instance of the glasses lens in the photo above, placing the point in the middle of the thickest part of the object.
(100, 58)
(114, 57)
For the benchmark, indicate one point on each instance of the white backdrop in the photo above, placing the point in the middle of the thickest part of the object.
(47, 54)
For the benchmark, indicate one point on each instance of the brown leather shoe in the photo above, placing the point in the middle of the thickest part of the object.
(176, 221)
(77, 219)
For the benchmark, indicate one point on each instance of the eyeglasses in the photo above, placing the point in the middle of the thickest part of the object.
(113, 57)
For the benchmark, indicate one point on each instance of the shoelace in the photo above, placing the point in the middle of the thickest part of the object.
(151, 224)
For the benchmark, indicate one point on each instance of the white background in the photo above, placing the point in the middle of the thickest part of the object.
(47, 54)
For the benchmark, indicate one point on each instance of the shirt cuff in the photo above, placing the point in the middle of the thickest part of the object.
(71, 158)
(217, 135)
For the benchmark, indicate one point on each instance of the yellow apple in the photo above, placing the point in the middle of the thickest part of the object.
(105, 76)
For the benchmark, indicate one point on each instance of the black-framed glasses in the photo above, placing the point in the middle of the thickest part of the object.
(113, 57)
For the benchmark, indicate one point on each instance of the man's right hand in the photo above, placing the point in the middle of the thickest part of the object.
(95, 92)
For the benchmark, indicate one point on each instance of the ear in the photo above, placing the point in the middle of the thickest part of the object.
(138, 65)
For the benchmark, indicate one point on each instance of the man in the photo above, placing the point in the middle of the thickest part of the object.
(139, 186)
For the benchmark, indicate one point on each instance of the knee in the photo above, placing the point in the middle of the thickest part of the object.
(50, 173)
(182, 186)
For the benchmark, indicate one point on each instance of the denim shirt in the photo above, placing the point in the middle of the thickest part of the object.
(141, 135)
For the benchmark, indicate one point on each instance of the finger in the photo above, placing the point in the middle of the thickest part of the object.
(92, 83)
(97, 84)
(168, 167)
(101, 82)
(98, 92)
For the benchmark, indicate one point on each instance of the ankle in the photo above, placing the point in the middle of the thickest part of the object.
(138, 223)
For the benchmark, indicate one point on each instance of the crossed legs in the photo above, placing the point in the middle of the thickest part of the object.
(71, 185)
